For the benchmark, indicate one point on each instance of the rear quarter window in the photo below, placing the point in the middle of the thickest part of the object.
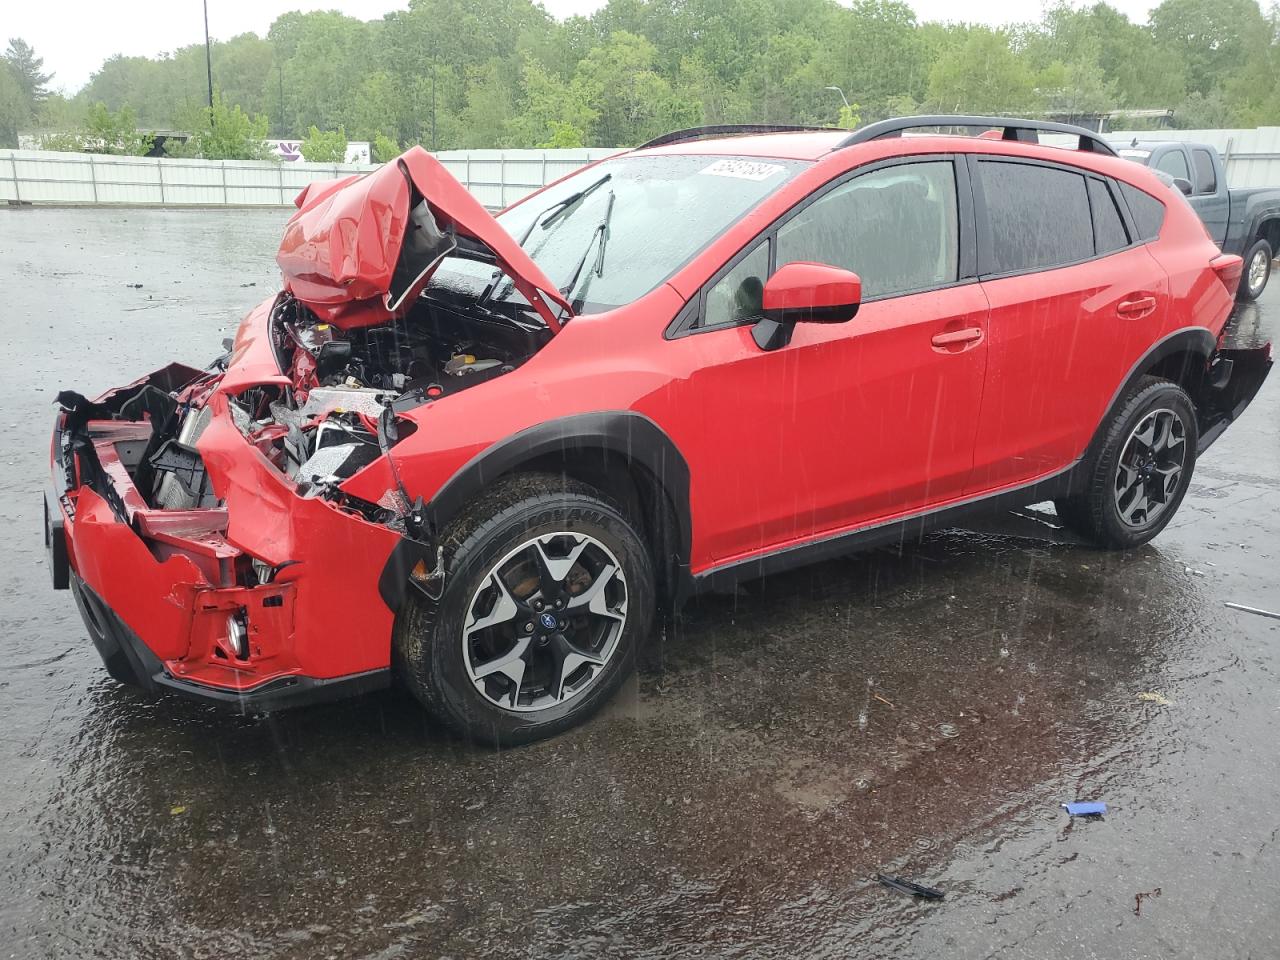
(1146, 210)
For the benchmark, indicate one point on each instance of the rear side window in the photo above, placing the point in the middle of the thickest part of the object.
(1109, 233)
(1147, 211)
(1174, 163)
(1206, 178)
(1039, 216)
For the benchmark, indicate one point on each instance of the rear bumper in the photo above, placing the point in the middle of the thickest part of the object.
(1235, 377)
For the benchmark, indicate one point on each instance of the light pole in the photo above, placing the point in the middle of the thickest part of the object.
(208, 53)
(842, 96)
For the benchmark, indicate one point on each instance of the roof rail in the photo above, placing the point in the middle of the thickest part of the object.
(725, 130)
(1012, 129)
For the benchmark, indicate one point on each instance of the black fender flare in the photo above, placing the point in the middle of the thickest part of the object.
(634, 437)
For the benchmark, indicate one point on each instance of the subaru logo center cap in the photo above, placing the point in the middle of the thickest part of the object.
(548, 621)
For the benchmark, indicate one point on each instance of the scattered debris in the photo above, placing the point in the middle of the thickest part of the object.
(177, 811)
(251, 283)
(1159, 699)
(1139, 897)
(906, 886)
(1244, 609)
(876, 696)
(1085, 809)
(134, 286)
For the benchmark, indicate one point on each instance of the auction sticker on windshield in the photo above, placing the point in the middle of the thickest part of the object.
(742, 169)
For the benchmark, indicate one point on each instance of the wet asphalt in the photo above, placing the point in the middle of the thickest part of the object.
(920, 712)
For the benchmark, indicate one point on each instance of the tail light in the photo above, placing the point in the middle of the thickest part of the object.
(1229, 268)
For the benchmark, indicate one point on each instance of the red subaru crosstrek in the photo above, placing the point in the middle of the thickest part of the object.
(478, 454)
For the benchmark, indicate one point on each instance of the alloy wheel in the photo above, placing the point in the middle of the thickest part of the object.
(1257, 270)
(545, 621)
(1150, 467)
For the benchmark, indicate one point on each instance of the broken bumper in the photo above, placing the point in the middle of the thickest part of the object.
(1234, 379)
(172, 599)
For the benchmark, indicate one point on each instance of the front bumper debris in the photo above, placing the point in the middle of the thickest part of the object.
(177, 599)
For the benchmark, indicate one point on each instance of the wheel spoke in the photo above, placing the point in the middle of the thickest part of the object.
(567, 659)
(557, 568)
(594, 600)
(504, 609)
(510, 664)
(1138, 505)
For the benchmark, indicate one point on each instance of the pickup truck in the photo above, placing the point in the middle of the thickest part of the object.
(1240, 221)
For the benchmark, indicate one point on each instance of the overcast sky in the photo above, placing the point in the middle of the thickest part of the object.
(75, 36)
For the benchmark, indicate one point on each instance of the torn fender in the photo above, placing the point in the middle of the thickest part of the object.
(360, 247)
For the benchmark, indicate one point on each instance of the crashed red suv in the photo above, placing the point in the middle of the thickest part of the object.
(477, 455)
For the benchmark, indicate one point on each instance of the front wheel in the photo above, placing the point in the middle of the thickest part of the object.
(549, 594)
(1257, 271)
(1141, 470)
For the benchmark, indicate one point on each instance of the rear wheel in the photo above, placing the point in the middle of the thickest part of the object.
(1257, 271)
(548, 596)
(1142, 469)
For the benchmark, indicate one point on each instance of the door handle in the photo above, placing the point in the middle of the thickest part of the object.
(1136, 308)
(956, 338)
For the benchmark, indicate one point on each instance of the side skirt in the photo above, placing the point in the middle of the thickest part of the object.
(902, 531)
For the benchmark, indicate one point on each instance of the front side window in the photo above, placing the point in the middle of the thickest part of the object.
(1039, 216)
(895, 227)
(1206, 177)
(628, 224)
(1174, 163)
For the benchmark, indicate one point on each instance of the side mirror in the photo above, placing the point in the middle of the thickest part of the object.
(1183, 184)
(804, 292)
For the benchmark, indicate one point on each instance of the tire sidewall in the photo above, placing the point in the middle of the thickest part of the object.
(1158, 396)
(451, 687)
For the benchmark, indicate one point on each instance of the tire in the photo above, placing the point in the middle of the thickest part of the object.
(1139, 458)
(1257, 271)
(529, 542)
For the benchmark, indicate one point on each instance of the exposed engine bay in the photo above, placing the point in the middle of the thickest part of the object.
(348, 385)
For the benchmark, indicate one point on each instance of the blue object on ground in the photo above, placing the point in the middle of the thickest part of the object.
(1085, 809)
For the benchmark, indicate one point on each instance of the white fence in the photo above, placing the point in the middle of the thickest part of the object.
(496, 177)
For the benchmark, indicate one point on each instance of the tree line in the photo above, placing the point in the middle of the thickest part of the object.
(504, 73)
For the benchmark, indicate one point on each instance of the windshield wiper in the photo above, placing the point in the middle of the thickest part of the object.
(601, 233)
(546, 217)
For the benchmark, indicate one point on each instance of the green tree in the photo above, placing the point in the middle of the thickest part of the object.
(385, 149)
(325, 146)
(14, 108)
(224, 132)
(1212, 38)
(982, 75)
(28, 69)
(104, 132)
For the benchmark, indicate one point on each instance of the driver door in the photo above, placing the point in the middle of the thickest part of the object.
(851, 423)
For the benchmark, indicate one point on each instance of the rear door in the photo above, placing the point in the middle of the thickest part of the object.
(851, 422)
(1073, 294)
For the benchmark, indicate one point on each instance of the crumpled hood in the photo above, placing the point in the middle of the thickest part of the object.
(361, 246)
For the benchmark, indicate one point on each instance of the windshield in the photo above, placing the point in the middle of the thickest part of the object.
(637, 220)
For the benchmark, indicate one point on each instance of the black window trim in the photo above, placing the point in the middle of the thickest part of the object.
(1113, 192)
(686, 322)
(986, 253)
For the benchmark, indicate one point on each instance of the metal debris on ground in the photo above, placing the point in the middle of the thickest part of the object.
(1159, 699)
(906, 886)
(1241, 607)
(1139, 897)
(876, 696)
(1085, 809)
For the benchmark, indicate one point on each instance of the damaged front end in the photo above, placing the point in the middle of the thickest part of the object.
(202, 517)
